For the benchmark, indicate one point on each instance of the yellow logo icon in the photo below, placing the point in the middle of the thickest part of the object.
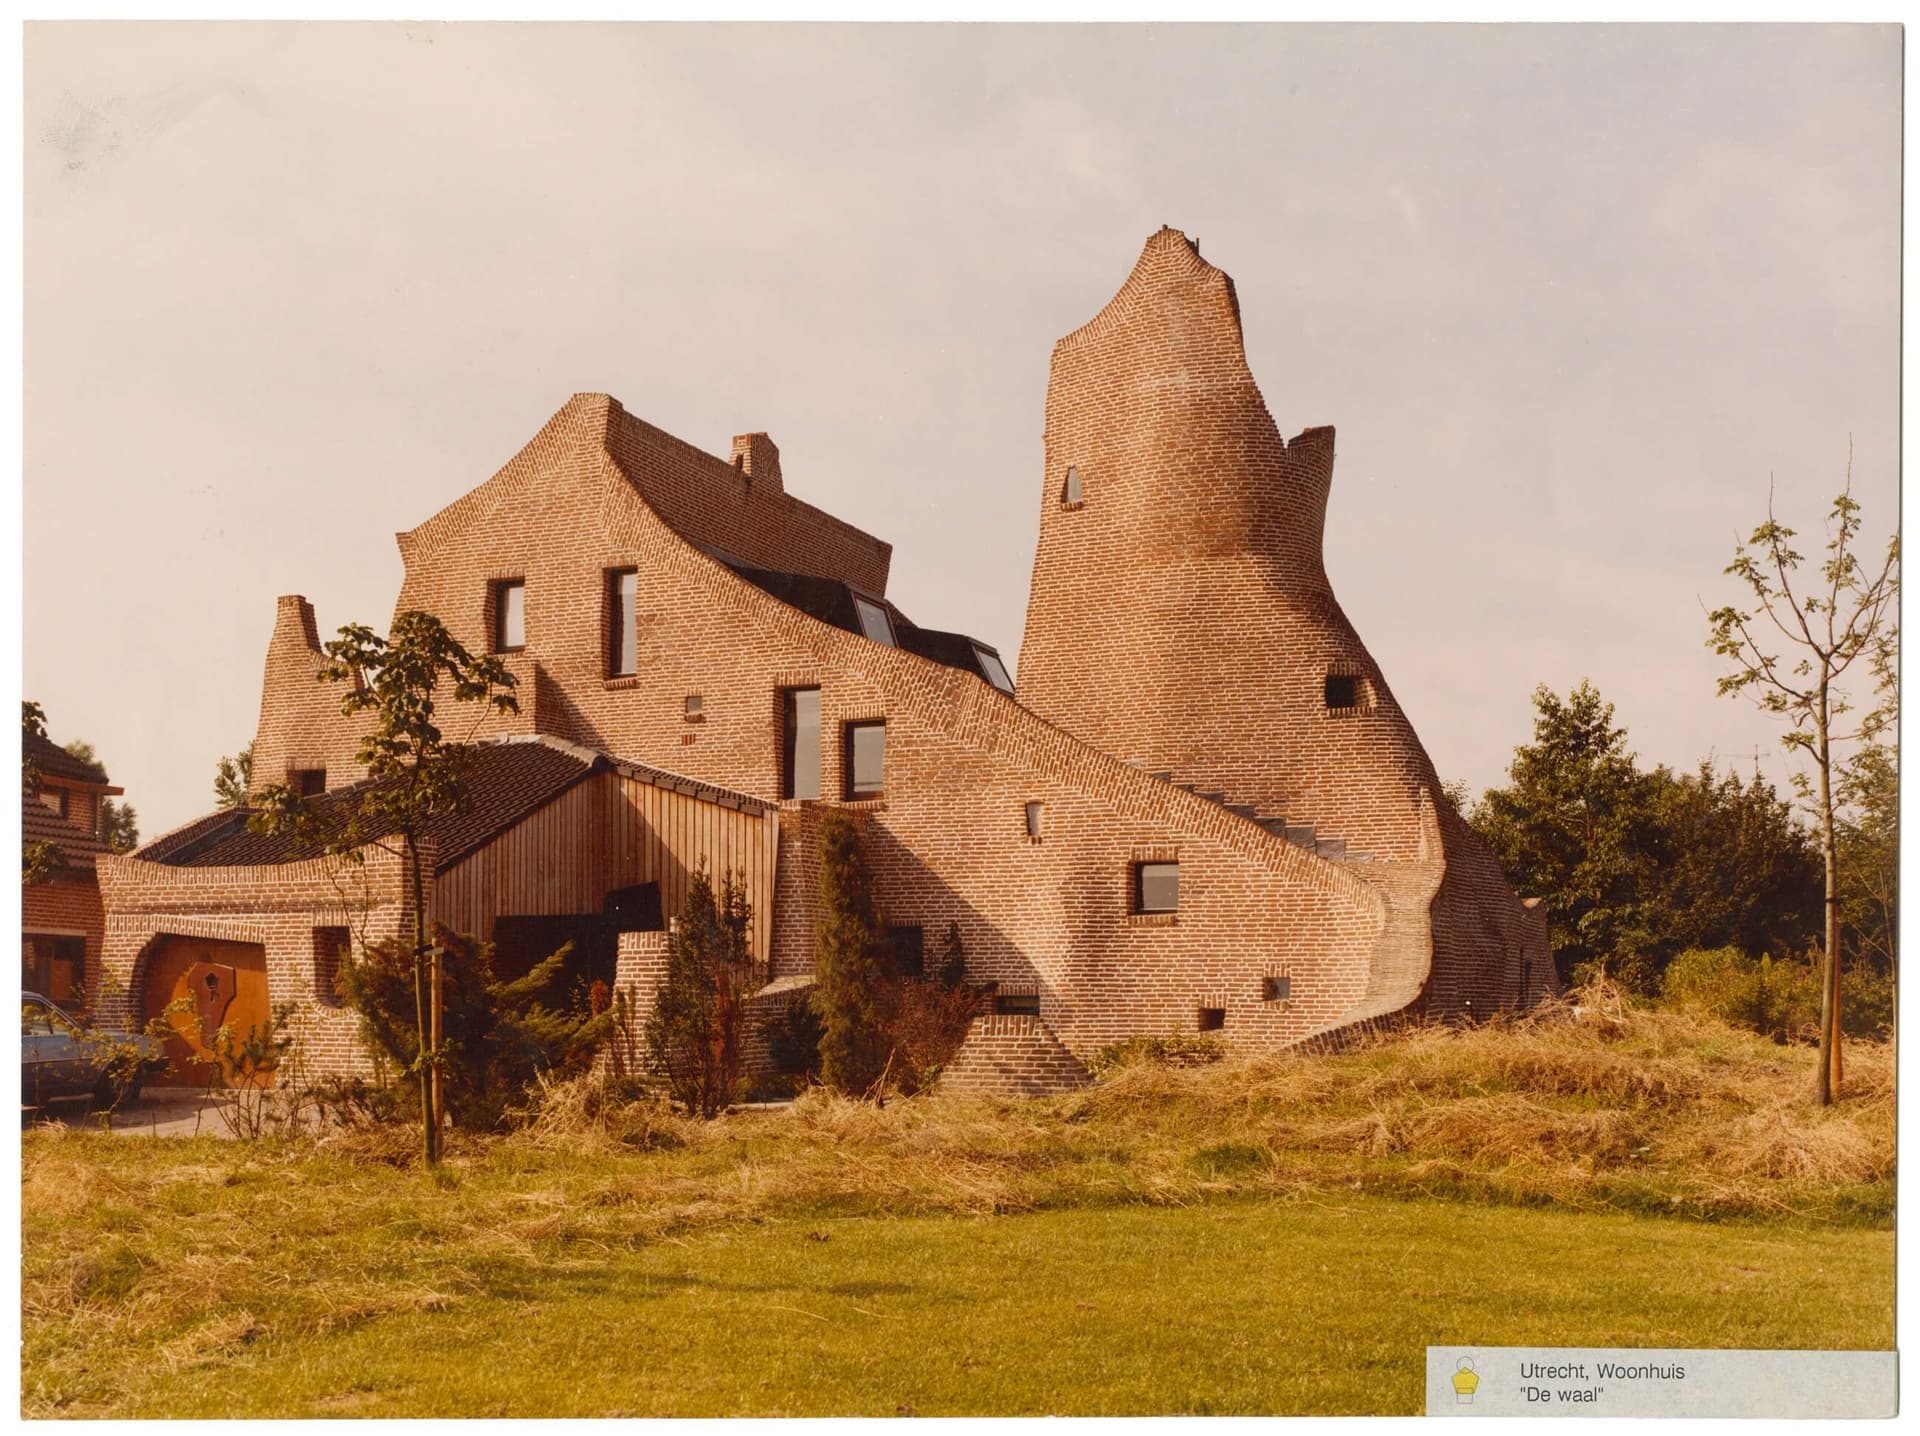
(1466, 1381)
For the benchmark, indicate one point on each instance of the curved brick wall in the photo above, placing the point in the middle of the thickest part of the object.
(1181, 615)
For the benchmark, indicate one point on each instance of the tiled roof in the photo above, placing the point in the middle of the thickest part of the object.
(40, 824)
(505, 783)
(56, 762)
(831, 601)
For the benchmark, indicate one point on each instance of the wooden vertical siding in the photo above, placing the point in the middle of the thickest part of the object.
(612, 831)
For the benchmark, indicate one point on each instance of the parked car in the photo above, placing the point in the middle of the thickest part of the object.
(61, 1058)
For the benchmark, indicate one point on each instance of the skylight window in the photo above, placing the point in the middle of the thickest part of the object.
(874, 621)
(995, 670)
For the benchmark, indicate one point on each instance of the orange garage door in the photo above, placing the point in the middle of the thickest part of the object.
(207, 984)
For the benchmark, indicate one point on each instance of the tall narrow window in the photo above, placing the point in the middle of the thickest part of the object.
(1033, 821)
(1156, 887)
(331, 946)
(1070, 490)
(510, 616)
(800, 766)
(623, 651)
(874, 621)
(866, 759)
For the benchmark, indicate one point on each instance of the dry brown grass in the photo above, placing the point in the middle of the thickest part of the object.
(177, 1242)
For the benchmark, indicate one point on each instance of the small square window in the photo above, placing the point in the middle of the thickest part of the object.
(510, 616)
(866, 759)
(1212, 1019)
(906, 951)
(1156, 887)
(695, 707)
(875, 622)
(1276, 989)
(308, 782)
(54, 800)
(1070, 491)
(1033, 821)
(1343, 690)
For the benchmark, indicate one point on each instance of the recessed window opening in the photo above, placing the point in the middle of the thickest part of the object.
(695, 706)
(907, 951)
(995, 670)
(1034, 811)
(1017, 1004)
(1156, 887)
(331, 946)
(54, 800)
(308, 782)
(1212, 1019)
(1343, 690)
(800, 766)
(510, 615)
(866, 759)
(875, 622)
(1276, 989)
(1070, 490)
(623, 637)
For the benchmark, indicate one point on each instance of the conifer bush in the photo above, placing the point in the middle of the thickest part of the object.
(698, 1017)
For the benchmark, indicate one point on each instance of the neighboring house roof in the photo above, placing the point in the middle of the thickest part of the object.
(40, 824)
(56, 762)
(832, 601)
(508, 780)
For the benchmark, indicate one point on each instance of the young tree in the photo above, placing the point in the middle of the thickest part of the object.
(851, 975)
(417, 775)
(40, 861)
(698, 1012)
(233, 779)
(1825, 630)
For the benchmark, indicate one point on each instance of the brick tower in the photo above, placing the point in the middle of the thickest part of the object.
(1181, 616)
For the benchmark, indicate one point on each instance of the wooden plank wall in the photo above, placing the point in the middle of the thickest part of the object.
(611, 832)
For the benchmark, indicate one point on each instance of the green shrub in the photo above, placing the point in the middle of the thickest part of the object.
(1866, 1002)
(698, 1019)
(1780, 999)
(852, 982)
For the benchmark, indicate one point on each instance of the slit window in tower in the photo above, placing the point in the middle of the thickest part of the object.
(1033, 821)
(1070, 491)
(623, 639)
(1343, 690)
(510, 616)
(866, 759)
(874, 621)
(995, 670)
(1156, 887)
(800, 765)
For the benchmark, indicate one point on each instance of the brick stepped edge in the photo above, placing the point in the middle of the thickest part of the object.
(1012, 1056)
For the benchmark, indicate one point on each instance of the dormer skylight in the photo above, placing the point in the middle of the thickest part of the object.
(995, 670)
(874, 621)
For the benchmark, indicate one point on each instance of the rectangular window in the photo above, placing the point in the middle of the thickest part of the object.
(800, 764)
(907, 951)
(1212, 1019)
(1156, 887)
(1343, 690)
(995, 670)
(56, 968)
(510, 616)
(54, 800)
(695, 708)
(866, 759)
(623, 595)
(1033, 821)
(331, 945)
(1276, 989)
(308, 782)
(874, 621)
(1017, 1004)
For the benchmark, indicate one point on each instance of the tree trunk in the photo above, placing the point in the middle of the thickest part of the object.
(429, 1117)
(1827, 1085)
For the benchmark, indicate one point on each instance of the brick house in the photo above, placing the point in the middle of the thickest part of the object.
(1201, 808)
(62, 923)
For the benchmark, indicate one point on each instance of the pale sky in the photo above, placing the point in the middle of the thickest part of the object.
(1570, 295)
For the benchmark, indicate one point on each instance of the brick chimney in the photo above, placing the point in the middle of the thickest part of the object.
(758, 457)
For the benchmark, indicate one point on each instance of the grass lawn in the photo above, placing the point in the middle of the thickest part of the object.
(1237, 1306)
